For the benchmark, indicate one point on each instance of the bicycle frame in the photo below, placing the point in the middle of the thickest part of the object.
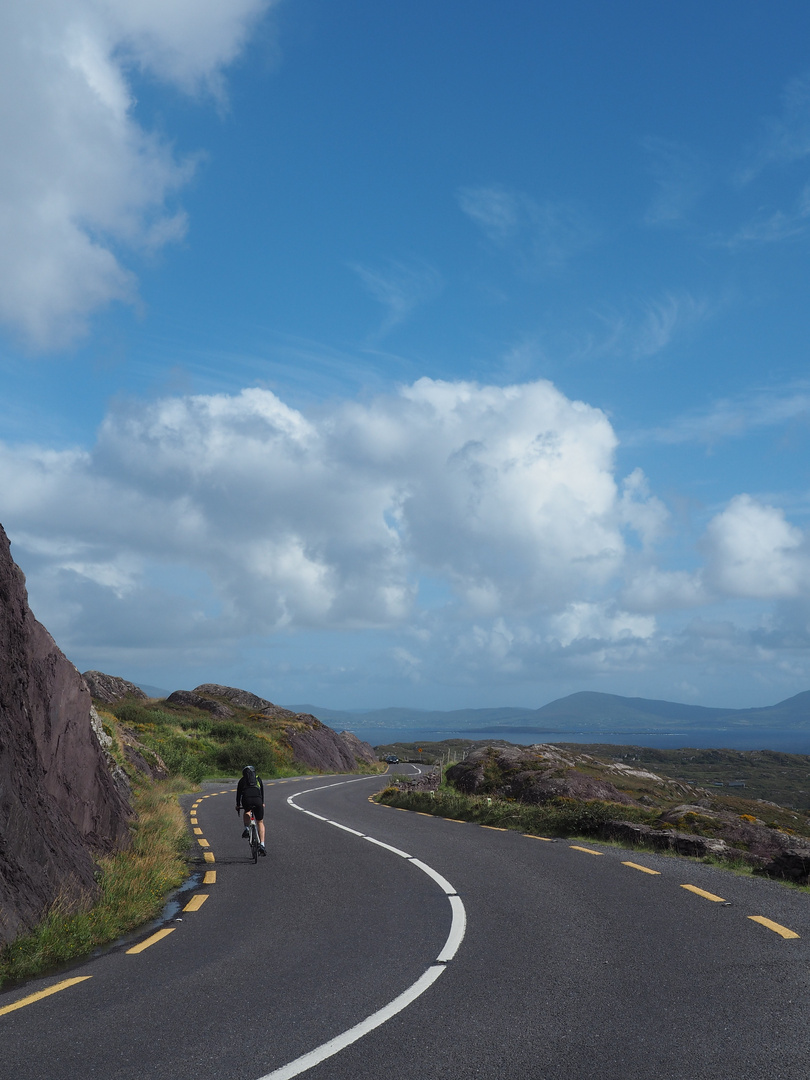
(254, 836)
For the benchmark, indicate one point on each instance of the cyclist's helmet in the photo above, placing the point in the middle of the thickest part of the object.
(249, 774)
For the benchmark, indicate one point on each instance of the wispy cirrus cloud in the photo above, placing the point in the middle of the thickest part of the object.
(400, 287)
(732, 418)
(775, 227)
(680, 179)
(541, 235)
(643, 329)
(784, 138)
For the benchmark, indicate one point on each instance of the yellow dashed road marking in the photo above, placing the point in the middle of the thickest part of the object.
(151, 940)
(644, 869)
(198, 832)
(494, 828)
(531, 836)
(208, 856)
(704, 894)
(210, 877)
(203, 843)
(588, 850)
(777, 929)
(196, 902)
(42, 994)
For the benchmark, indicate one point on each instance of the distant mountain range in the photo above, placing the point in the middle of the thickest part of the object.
(586, 711)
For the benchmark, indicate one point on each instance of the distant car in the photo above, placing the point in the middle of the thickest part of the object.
(392, 760)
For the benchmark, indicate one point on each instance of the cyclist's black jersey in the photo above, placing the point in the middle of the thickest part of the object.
(250, 796)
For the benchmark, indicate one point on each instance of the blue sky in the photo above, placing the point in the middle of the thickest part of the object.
(445, 355)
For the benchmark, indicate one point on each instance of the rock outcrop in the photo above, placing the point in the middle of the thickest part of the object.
(241, 698)
(360, 751)
(111, 688)
(700, 831)
(197, 701)
(59, 805)
(320, 747)
(312, 743)
(534, 775)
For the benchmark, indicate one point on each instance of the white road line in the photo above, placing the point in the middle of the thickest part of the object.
(442, 882)
(340, 1042)
(458, 926)
(388, 847)
(346, 828)
(457, 929)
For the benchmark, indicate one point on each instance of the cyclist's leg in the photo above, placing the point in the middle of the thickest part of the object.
(257, 810)
(258, 813)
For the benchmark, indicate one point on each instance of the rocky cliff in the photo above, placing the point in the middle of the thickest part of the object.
(312, 743)
(59, 805)
(111, 688)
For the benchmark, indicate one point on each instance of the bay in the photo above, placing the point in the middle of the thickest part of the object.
(789, 742)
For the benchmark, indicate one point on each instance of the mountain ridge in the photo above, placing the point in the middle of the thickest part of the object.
(589, 708)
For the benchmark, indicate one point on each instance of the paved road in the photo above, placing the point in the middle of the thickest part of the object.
(574, 965)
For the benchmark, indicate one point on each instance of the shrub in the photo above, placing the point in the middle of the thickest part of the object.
(130, 713)
(247, 749)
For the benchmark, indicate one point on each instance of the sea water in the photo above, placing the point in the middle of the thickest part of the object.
(789, 742)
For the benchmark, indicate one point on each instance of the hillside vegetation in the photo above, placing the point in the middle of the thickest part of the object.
(162, 748)
(191, 744)
(206, 735)
(563, 791)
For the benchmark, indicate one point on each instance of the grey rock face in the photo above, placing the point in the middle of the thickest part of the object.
(197, 701)
(59, 804)
(242, 698)
(630, 832)
(317, 746)
(361, 751)
(535, 775)
(111, 688)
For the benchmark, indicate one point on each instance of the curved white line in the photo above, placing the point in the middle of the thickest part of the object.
(458, 926)
(334, 1046)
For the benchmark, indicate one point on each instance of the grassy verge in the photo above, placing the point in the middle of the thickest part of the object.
(560, 817)
(133, 884)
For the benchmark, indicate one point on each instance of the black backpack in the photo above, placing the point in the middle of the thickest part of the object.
(251, 788)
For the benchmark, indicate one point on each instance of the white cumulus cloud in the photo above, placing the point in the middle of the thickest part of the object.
(81, 181)
(752, 550)
(476, 531)
(504, 494)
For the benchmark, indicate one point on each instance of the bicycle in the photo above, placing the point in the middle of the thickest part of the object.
(253, 836)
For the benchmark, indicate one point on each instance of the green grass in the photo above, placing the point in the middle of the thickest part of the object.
(133, 887)
(560, 817)
(193, 745)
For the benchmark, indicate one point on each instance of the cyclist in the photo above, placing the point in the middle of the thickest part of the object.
(250, 796)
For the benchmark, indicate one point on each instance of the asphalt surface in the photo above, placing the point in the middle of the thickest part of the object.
(573, 966)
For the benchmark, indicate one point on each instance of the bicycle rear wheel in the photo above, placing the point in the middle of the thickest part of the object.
(254, 843)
